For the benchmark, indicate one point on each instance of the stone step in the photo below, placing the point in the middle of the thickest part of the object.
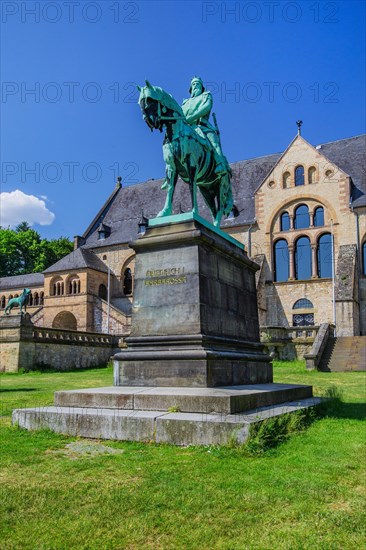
(228, 400)
(156, 426)
(345, 353)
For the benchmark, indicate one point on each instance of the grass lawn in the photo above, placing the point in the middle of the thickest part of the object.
(308, 492)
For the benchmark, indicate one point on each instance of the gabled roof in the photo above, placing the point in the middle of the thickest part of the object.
(98, 219)
(350, 155)
(22, 281)
(80, 258)
(124, 213)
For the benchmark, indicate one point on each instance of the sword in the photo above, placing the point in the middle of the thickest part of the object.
(216, 127)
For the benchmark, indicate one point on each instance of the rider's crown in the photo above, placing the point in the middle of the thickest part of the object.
(196, 79)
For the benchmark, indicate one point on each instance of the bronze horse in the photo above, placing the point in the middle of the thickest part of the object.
(186, 154)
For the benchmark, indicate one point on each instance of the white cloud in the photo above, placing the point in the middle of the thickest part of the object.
(16, 207)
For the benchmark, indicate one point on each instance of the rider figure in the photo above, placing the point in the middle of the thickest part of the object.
(197, 110)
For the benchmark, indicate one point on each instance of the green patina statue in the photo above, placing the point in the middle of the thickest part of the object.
(197, 111)
(191, 147)
(18, 302)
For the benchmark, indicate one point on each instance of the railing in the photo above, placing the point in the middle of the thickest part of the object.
(302, 332)
(287, 343)
(32, 315)
(314, 357)
(116, 314)
(42, 334)
(287, 334)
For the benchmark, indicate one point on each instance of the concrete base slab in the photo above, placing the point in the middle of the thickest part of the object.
(124, 425)
(132, 425)
(227, 400)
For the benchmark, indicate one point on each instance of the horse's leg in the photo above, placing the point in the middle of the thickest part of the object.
(171, 176)
(217, 219)
(219, 209)
(209, 198)
(192, 186)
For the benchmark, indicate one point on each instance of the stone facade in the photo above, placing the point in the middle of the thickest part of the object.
(24, 346)
(327, 181)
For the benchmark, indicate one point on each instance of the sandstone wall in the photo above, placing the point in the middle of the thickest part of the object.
(24, 346)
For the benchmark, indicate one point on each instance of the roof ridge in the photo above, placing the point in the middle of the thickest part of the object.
(341, 139)
(255, 158)
(102, 211)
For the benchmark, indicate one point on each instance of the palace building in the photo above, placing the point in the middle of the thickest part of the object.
(301, 215)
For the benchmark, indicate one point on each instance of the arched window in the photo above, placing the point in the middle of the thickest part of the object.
(16, 295)
(303, 258)
(36, 299)
(102, 292)
(74, 285)
(127, 282)
(281, 261)
(303, 303)
(364, 258)
(58, 287)
(41, 299)
(301, 319)
(312, 174)
(325, 255)
(299, 175)
(319, 216)
(286, 180)
(59, 290)
(285, 222)
(10, 297)
(3, 302)
(302, 219)
(30, 299)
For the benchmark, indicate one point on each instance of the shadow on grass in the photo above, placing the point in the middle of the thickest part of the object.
(350, 411)
(3, 390)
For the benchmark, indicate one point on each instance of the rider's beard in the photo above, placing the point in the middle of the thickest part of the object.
(196, 92)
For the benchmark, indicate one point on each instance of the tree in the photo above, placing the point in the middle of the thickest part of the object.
(22, 250)
(9, 254)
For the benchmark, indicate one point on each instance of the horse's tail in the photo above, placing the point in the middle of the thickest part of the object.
(226, 195)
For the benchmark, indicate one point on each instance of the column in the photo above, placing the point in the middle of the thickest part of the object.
(311, 218)
(314, 262)
(291, 216)
(291, 259)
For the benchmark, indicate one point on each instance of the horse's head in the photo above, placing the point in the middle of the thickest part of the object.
(26, 292)
(157, 106)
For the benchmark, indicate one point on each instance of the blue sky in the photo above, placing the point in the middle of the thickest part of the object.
(267, 64)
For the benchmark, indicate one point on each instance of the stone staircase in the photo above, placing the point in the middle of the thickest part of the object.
(37, 317)
(119, 321)
(179, 416)
(346, 353)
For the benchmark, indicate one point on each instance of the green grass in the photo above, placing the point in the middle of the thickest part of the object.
(308, 492)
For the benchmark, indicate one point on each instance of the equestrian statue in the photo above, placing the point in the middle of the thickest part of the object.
(191, 147)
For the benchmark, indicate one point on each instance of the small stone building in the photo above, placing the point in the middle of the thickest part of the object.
(301, 215)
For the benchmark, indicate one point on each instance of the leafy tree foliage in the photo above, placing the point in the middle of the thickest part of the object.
(23, 251)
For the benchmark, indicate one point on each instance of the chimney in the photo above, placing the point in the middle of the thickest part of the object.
(78, 241)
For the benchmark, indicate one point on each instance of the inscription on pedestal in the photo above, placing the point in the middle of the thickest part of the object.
(194, 315)
(170, 276)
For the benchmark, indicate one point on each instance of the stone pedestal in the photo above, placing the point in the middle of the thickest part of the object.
(17, 349)
(194, 372)
(194, 318)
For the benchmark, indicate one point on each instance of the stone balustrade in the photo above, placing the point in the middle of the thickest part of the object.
(44, 334)
(28, 347)
(287, 343)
